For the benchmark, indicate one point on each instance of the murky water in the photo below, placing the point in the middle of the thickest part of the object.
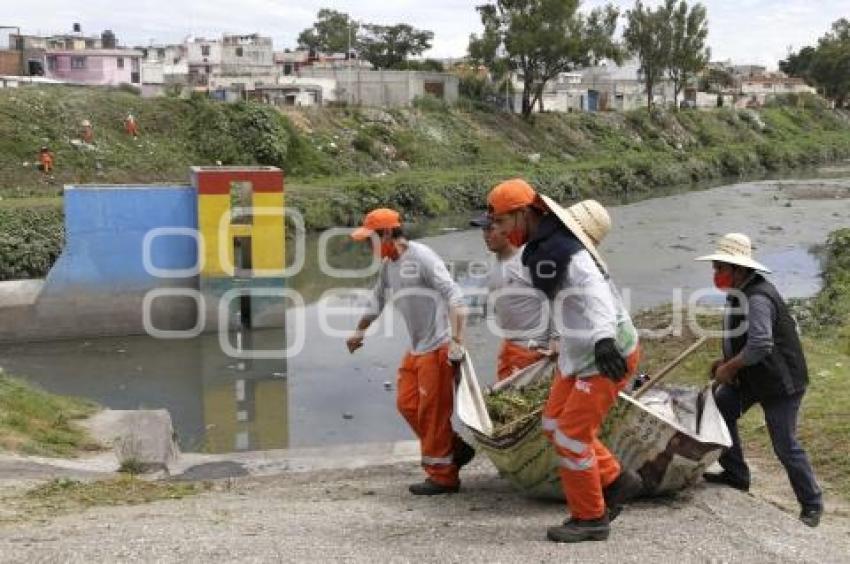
(326, 396)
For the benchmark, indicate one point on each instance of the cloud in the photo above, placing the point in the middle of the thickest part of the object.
(742, 30)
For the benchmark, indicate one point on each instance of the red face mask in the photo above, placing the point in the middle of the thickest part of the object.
(723, 280)
(517, 237)
(389, 250)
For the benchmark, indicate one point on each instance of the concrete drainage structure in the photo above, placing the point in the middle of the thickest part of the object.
(138, 257)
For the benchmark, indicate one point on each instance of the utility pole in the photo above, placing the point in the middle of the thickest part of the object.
(348, 60)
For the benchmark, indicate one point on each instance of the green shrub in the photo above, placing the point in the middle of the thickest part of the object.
(261, 131)
(31, 240)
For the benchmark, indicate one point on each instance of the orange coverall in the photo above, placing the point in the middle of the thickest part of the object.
(425, 399)
(513, 357)
(572, 417)
(132, 127)
(46, 160)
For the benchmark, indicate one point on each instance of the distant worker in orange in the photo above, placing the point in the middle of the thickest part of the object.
(131, 126)
(88, 131)
(45, 159)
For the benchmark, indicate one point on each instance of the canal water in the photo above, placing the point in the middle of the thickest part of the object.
(323, 395)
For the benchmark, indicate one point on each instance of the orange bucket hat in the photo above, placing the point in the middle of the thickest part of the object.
(381, 218)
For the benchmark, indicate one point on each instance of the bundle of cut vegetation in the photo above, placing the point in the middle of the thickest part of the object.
(511, 409)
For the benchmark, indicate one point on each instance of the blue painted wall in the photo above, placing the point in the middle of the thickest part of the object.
(105, 228)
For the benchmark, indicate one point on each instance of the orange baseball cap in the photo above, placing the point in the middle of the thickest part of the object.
(381, 218)
(511, 195)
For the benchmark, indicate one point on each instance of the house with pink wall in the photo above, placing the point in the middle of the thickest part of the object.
(104, 67)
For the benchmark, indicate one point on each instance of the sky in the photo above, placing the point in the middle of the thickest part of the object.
(745, 31)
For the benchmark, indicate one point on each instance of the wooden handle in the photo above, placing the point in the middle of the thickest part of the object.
(658, 376)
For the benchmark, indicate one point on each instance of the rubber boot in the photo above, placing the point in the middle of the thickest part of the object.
(580, 530)
(430, 487)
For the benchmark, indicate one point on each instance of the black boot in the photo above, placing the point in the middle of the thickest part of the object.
(463, 454)
(810, 516)
(430, 487)
(727, 479)
(625, 488)
(580, 530)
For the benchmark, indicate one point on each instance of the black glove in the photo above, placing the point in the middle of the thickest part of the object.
(609, 361)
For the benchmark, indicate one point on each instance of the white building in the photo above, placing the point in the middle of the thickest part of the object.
(163, 66)
(386, 88)
(204, 59)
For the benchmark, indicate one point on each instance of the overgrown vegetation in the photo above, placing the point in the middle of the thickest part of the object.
(30, 240)
(33, 421)
(64, 495)
(425, 160)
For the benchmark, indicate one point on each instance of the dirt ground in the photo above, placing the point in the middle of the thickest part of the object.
(366, 515)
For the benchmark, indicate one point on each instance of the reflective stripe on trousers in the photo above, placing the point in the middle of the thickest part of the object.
(571, 420)
(425, 399)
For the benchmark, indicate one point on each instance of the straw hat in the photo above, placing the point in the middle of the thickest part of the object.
(735, 248)
(85, 123)
(587, 220)
(593, 218)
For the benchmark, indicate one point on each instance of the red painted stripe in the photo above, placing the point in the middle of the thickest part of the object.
(219, 182)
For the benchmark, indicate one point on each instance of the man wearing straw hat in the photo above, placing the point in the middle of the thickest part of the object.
(763, 362)
(598, 349)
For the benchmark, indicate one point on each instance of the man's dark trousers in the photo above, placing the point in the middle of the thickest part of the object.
(780, 415)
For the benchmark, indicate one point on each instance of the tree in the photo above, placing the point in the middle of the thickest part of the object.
(389, 46)
(333, 32)
(648, 36)
(688, 53)
(716, 80)
(799, 64)
(425, 65)
(826, 66)
(542, 39)
(831, 65)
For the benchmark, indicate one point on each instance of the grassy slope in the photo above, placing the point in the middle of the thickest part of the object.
(427, 160)
(35, 422)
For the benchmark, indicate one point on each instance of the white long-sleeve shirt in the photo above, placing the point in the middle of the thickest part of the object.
(522, 311)
(588, 308)
(420, 287)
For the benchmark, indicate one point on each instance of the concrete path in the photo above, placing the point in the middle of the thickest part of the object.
(363, 513)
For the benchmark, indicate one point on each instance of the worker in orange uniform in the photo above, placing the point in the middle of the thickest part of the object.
(88, 131)
(420, 287)
(521, 311)
(598, 350)
(45, 159)
(131, 126)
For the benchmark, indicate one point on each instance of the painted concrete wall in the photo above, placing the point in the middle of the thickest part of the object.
(384, 88)
(98, 285)
(100, 282)
(105, 227)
